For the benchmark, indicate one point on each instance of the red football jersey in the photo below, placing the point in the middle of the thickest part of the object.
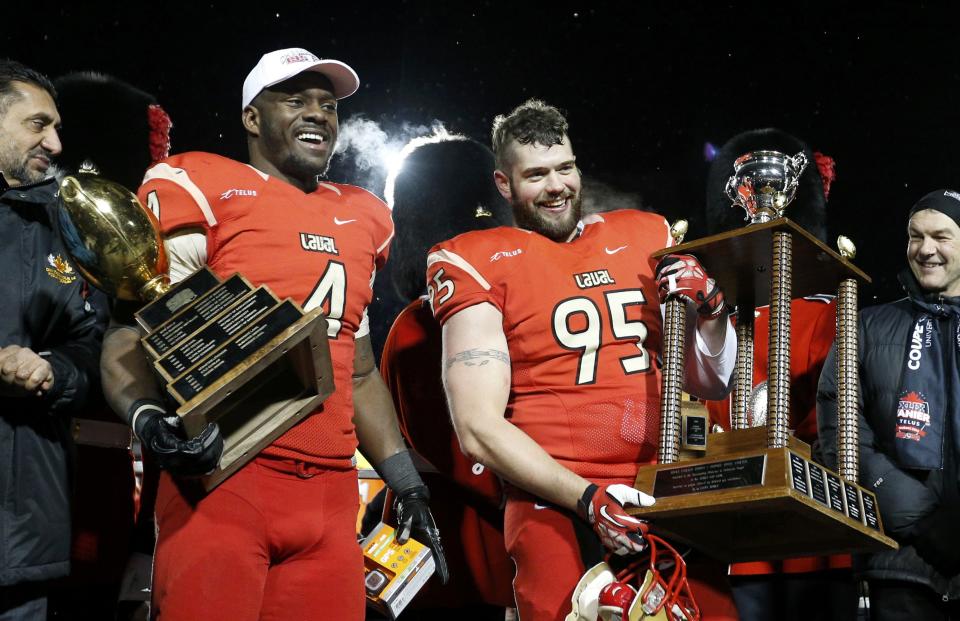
(583, 326)
(813, 326)
(320, 249)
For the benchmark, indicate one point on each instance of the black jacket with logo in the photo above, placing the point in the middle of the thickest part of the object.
(43, 307)
(919, 508)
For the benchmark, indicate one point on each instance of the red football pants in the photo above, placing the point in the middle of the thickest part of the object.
(543, 545)
(275, 541)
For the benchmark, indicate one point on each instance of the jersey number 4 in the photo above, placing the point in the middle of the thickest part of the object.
(332, 288)
(589, 339)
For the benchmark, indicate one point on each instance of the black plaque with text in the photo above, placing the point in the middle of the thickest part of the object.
(798, 474)
(698, 478)
(870, 517)
(835, 492)
(818, 484)
(199, 312)
(694, 432)
(166, 306)
(216, 333)
(853, 501)
(235, 351)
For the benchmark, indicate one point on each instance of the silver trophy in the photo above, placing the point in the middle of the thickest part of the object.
(764, 183)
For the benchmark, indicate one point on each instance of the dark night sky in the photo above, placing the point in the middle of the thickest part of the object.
(645, 85)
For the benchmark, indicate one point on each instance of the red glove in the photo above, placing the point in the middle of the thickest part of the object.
(603, 508)
(682, 275)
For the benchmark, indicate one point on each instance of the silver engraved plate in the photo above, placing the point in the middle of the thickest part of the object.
(835, 492)
(764, 182)
(818, 484)
(852, 497)
(870, 516)
(798, 474)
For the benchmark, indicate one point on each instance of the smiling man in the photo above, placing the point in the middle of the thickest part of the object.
(910, 421)
(551, 332)
(49, 344)
(276, 540)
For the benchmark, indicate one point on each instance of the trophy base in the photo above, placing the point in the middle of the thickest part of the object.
(274, 388)
(745, 502)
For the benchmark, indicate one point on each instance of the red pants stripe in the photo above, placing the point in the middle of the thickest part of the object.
(276, 541)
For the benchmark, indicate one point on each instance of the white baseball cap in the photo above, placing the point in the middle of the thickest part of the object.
(275, 67)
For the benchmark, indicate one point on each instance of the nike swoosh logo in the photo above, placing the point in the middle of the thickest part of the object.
(623, 521)
(606, 516)
(538, 507)
(340, 222)
(614, 251)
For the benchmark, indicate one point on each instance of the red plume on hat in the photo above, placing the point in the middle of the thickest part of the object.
(828, 171)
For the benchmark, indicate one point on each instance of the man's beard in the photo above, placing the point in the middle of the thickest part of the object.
(14, 167)
(532, 219)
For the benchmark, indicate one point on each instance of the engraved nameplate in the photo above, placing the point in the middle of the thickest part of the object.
(693, 432)
(697, 478)
(870, 517)
(227, 357)
(197, 313)
(818, 484)
(216, 333)
(184, 292)
(798, 474)
(835, 492)
(853, 501)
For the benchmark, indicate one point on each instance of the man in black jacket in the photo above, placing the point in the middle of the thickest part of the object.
(910, 421)
(49, 348)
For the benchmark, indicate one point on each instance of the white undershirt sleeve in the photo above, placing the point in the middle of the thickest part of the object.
(708, 375)
(186, 252)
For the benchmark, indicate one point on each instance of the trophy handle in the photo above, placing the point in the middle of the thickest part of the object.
(730, 190)
(799, 162)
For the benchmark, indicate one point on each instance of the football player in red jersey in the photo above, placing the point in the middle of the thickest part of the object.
(551, 331)
(277, 539)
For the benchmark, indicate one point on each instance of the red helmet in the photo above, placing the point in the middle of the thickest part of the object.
(652, 587)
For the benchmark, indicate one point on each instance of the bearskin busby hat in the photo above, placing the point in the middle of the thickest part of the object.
(445, 187)
(120, 128)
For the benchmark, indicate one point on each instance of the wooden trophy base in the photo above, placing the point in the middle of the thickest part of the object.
(287, 378)
(745, 502)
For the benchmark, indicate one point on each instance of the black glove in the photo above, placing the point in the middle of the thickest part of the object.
(163, 436)
(414, 518)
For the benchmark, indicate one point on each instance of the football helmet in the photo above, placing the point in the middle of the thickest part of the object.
(653, 587)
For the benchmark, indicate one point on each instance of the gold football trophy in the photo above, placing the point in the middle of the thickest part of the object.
(754, 493)
(226, 351)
